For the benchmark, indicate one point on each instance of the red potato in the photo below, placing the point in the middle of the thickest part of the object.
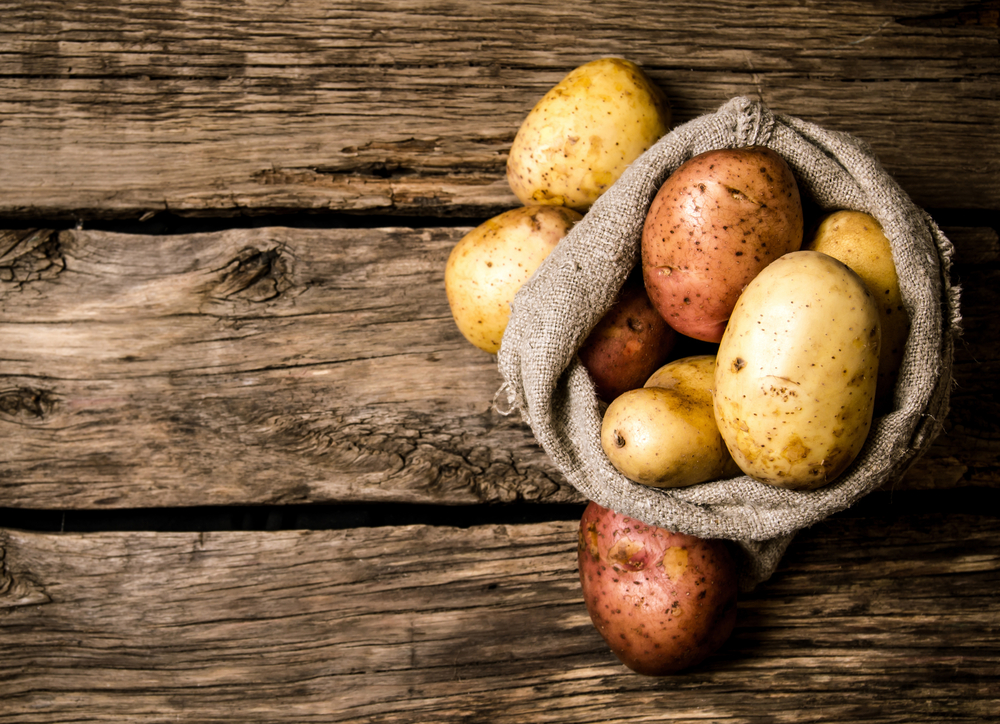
(662, 601)
(629, 344)
(716, 222)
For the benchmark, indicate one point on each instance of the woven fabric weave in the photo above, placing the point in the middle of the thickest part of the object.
(553, 313)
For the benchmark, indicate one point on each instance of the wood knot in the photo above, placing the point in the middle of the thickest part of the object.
(254, 276)
(18, 589)
(27, 402)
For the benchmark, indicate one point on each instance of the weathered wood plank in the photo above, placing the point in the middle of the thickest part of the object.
(277, 365)
(878, 619)
(112, 109)
(311, 365)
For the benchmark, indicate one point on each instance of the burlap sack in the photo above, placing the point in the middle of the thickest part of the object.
(555, 310)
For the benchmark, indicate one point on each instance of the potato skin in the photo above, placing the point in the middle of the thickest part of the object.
(857, 239)
(665, 435)
(584, 132)
(695, 375)
(629, 343)
(719, 219)
(490, 263)
(663, 601)
(796, 372)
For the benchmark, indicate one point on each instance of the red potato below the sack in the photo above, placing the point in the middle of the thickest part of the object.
(629, 343)
(716, 222)
(662, 601)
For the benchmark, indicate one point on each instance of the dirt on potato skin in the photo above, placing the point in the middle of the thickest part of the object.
(663, 601)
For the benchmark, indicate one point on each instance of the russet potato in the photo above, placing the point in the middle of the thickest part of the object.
(857, 239)
(584, 132)
(796, 371)
(490, 263)
(717, 221)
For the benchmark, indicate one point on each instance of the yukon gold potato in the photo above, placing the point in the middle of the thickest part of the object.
(490, 263)
(584, 133)
(694, 375)
(857, 239)
(796, 371)
(628, 344)
(717, 221)
(662, 601)
(665, 436)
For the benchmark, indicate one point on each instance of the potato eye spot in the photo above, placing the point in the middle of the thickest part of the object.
(738, 364)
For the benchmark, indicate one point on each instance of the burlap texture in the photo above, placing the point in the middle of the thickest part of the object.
(555, 310)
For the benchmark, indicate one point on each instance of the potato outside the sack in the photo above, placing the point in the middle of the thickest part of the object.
(583, 133)
(719, 219)
(796, 371)
(664, 434)
(662, 601)
(629, 343)
(857, 239)
(490, 263)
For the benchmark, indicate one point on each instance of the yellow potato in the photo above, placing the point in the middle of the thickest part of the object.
(857, 239)
(796, 371)
(490, 263)
(665, 436)
(695, 376)
(584, 133)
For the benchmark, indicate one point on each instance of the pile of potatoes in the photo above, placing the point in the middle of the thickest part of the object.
(798, 327)
(575, 143)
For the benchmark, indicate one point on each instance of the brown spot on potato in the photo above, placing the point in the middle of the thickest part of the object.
(588, 541)
(795, 450)
(628, 554)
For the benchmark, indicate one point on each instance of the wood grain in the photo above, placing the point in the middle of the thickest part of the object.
(260, 366)
(435, 624)
(280, 365)
(125, 110)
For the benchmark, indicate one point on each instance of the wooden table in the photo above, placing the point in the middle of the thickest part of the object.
(250, 469)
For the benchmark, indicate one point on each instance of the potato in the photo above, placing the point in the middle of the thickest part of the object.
(490, 263)
(796, 371)
(857, 239)
(662, 601)
(717, 221)
(664, 435)
(629, 343)
(583, 133)
(695, 375)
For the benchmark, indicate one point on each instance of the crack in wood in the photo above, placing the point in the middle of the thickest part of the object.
(30, 255)
(982, 14)
(414, 450)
